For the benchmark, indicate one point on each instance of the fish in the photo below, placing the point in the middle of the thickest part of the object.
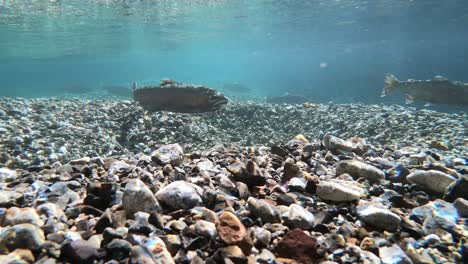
(438, 90)
(286, 99)
(179, 97)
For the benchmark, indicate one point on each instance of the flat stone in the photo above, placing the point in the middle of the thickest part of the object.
(298, 246)
(138, 197)
(267, 212)
(359, 169)
(339, 191)
(379, 217)
(169, 154)
(433, 180)
(180, 195)
(27, 236)
(299, 217)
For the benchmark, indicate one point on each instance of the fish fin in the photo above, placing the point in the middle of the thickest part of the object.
(134, 86)
(427, 104)
(439, 78)
(409, 99)
(390, 83)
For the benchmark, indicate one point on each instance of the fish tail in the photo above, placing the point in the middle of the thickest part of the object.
(390, 84)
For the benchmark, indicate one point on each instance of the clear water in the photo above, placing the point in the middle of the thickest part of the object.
(327, 49)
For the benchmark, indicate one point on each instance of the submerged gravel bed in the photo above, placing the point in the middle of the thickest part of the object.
(34, 132)
(102, 182)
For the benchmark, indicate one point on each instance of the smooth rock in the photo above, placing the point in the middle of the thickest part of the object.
(267, 212)
(457, 189)
(80, 251)
(379, 217)
(339, 191)
(298, 246)
(7, 175)
(118, 249)
(266, 257)
(158, 249)
(18, 256)
(433, 180)
(232, 232)
(27, 236)
(169, 154)
(299, 217)
(360, 169)
(205, 229)
(462, 207)
(180, 195)
(15, 215)
(262, 237)
(138, 197)
(393, 255)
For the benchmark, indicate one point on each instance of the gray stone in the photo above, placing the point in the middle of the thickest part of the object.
(169, 154)
(27, 236)
(339, 191)
(379, 217)
(205, 229)
(433, 180)
(266, 257)
(138, 197)
(180, 195)
(7, 175)
(262, 237)
(15, 215)
(360, 169)
(267, 212)
(393, 255)
(299, 217)
(462, 207)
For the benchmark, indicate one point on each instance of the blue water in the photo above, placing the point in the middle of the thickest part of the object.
(329, 49)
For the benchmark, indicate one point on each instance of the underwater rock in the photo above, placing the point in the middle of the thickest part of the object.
(393, 254)
(379, 217)
(262, 209)
(80, 251)
(15, 215)
(299, 217)
(360, 169)
(169, 154)
(298, 246)
(232, 232)
(339, 191)
(138, 197)
(180, 195)
(462, 207)
(457, 189)
(7, 175)
(26, 236)
(433, 180)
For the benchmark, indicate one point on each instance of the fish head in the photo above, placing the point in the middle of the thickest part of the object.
(217, 100)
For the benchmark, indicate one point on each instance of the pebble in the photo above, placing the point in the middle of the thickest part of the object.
(180, 195)
(393, 254)
(138, 197)
(457, 189)
(432, 180)
(232, 232)
(15, 215)
(462, 207)
(298, 246)
(80, 251)
(379, 217)
(169, 154)
(267, 212)
(26, 236)
(298, 217)
(7, 175)
(339, 191)
(360, 169)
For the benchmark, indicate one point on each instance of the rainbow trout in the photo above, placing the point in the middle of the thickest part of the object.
(438, 90)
